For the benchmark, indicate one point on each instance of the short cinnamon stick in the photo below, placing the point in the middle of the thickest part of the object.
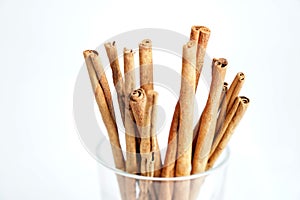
(224, 124)
(242, 107)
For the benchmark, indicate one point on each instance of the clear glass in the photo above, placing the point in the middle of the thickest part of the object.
(117, 184)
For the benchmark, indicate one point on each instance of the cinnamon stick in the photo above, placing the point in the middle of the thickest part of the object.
(146, 65)
(141, 110)
(112, 55)
(200, 34)
(209, 116)
(91, 58)
(154, 142)
(234, 89)
(185, 132)
(224, 124)
(168, 170)
(242, 107)
(130, 137)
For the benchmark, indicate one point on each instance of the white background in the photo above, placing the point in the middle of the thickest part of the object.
(41, 44)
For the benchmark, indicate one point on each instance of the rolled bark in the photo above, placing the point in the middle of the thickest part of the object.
(112, 55)
(209, 116)
(130, 137)
(240, 111)
(109, 122)
(223, 126)
(185, 132)
(141, 110)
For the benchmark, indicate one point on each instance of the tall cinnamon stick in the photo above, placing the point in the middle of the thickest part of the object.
(112, 55)
(141, 110)
(91, 59)
(185, 132)
(200, 34)
(240, 111)
(131, 157)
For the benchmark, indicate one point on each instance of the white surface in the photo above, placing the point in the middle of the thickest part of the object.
(41, 44)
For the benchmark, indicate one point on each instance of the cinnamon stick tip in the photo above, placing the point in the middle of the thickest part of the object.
(220, 61)
(126, 51)
(245, 100)
(204, 29)
(146, 43)
(137, 94)
(241, 76)
(86, 53)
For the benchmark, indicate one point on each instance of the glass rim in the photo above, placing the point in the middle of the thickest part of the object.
(220, 165)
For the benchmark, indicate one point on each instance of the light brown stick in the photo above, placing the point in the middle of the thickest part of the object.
(200, 34)
(203, 37)
(209, 116)
(223, 126)
(108, 120)
(131, 157)
(185, 132)
(94, 60)
(243, 105)
(141, 109)
(112, 55)
(168, 170)
(154, 142)
(146, 65)
(234, 89)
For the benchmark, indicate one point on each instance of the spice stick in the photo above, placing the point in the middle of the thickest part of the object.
(112, 55)
(108, 120)
(141, 110)
(209, 116)
(146, 65)
(130, 137)
(242, 107)
(185, 132)
(224, 124)
(154, 142)
(234, 89)
(168, 170)
(203, 37)
(156, 156)
(94, 60)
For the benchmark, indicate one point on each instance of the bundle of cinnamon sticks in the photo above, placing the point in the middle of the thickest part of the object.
(190, 150)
